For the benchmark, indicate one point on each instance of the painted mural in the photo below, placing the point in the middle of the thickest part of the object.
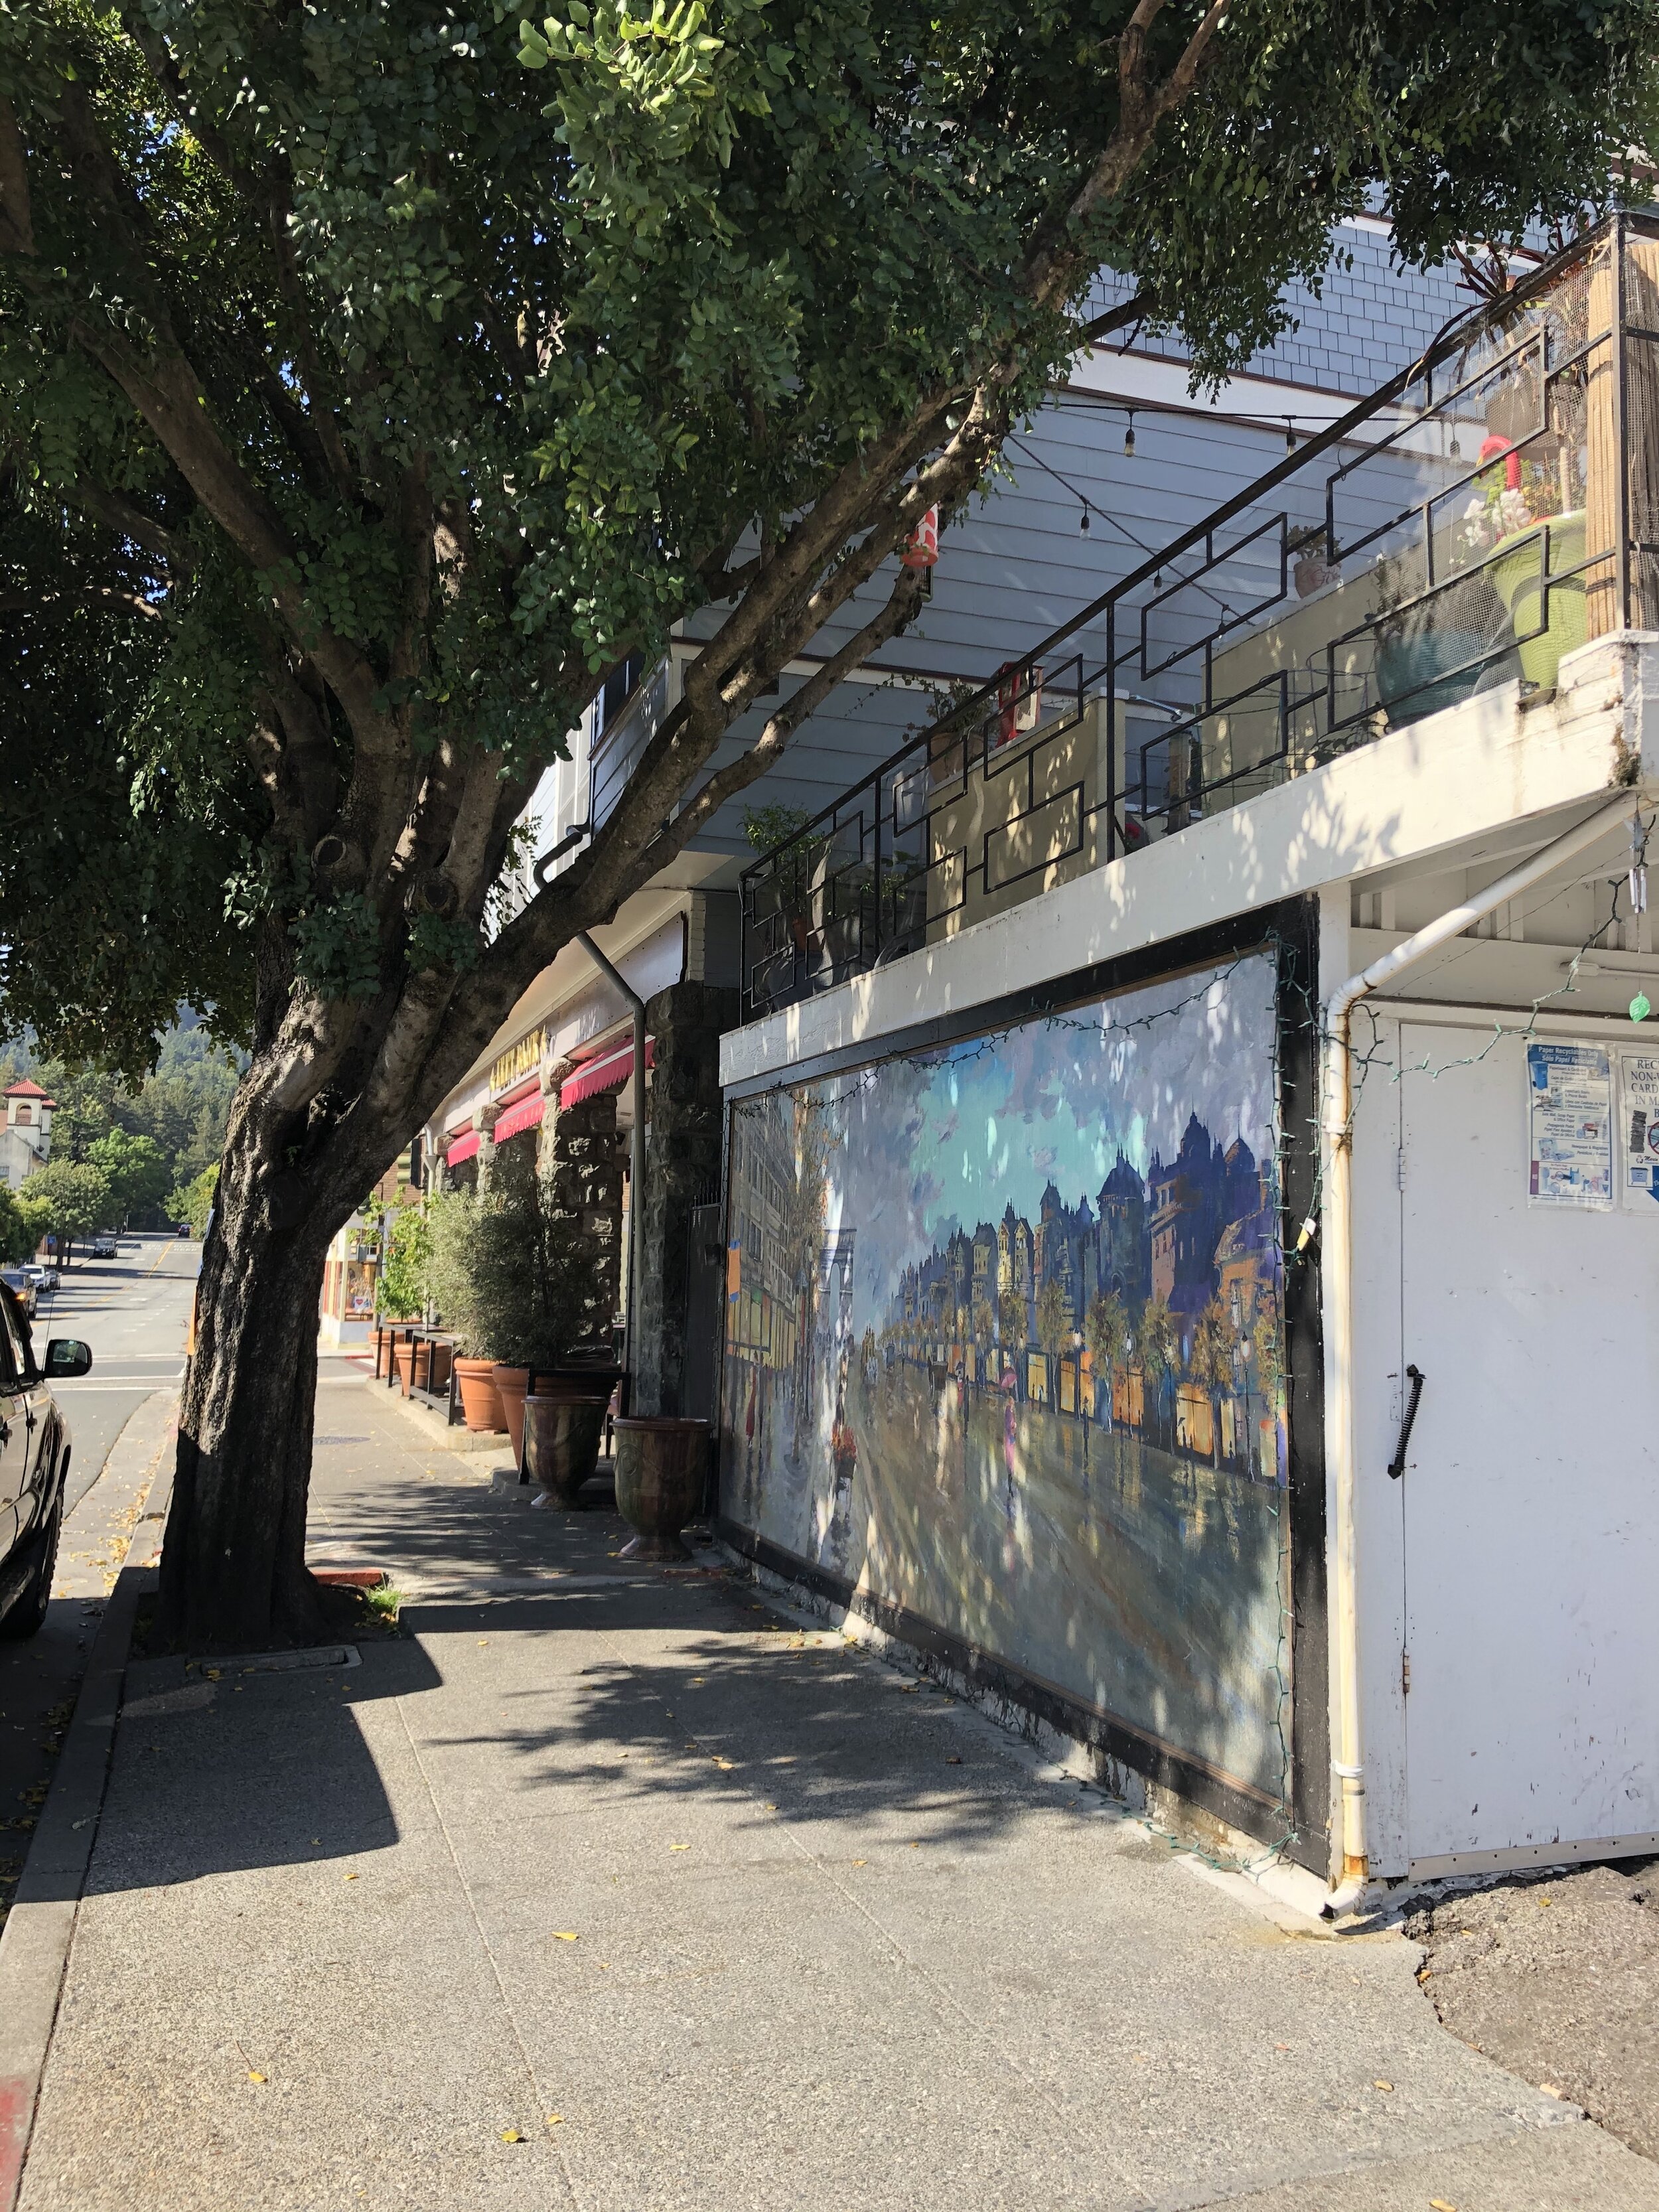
(1004, 1345)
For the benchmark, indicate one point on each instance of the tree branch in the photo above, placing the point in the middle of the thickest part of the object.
(111, 597)
(16, 224)
(901, 604)
(127, 521)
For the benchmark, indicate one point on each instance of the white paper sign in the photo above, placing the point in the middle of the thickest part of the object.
(1638, 1146)
(1569, 1125)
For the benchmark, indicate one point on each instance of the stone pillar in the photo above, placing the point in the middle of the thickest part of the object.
(681, 1165)
(485, 1124)
(581, 1161)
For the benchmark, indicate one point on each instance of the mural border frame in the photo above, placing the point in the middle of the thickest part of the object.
(1294, 924)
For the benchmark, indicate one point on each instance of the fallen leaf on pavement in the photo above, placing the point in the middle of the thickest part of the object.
(1382, 2085)
(512, 2134)
(1439, 2204)
(253, 2077)
(1549, 2088)
(565, 1935)
(555, 2119)
(955, 1760)
(351, 1877)
(861, 1863)
(679, 1847)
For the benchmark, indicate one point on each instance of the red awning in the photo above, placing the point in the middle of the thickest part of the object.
(461, 1148)
(523, 1115)
(608, 1071)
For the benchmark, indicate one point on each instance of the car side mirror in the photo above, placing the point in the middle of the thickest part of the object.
(66, 1357)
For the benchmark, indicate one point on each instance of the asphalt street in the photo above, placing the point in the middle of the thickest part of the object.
(134, 1311)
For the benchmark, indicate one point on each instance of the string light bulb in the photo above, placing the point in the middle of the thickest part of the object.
(1129, 436)
(1290, 435)
(1082, 522)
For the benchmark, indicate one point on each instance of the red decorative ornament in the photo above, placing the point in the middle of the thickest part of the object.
(921, 546)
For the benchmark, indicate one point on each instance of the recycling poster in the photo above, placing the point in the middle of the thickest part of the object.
(1569, 1125)
(1638, 1131)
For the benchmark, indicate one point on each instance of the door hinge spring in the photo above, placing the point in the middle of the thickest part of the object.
(1399, 1169)
(1405, 1674)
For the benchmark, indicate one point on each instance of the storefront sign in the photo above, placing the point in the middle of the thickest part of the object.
(1570, 1126)
(519, 1060)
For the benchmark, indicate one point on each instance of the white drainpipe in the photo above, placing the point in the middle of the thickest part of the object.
(1349, 1764)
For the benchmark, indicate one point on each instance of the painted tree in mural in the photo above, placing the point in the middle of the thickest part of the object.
(1011, 1315)
(1212, 1364)
(1051, 1332)
(1106, 1328)
(377, 379)
(985, 1324)
(1158, 1346)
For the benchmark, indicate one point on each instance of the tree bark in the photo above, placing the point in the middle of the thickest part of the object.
(233, 1576)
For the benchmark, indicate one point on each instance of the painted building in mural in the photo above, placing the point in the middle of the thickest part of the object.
(952, 1439)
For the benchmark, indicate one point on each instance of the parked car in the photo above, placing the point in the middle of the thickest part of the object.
(19, 1281)
(34, 1461)
(49, 1277)
(105, 1246)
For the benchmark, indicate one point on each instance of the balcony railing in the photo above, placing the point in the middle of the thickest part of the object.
(1491, 509)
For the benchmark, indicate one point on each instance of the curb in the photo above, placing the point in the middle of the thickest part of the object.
(34, 1943)
(438, 1435)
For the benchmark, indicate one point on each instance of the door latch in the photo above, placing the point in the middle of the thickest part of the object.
(1397, 1464)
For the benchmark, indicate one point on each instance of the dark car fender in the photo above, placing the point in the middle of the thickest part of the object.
(51, 1463)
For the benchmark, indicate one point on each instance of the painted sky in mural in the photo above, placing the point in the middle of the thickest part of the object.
(992, 1121)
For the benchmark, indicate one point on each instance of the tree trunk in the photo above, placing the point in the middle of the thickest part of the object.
(234, 1574)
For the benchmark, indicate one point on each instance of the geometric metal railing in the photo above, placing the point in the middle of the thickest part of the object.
(1494, 505)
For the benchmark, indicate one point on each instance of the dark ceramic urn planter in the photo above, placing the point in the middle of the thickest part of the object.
(662, 1464)
(561, 1440)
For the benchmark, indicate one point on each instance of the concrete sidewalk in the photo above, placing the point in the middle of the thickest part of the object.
(619, 1889)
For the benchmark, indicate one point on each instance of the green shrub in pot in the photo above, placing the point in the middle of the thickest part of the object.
(508, 1275)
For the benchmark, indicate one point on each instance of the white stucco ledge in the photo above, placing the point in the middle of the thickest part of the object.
(1457, 774)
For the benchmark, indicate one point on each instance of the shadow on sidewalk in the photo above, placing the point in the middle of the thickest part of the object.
(219, 1770)
(718, 1708)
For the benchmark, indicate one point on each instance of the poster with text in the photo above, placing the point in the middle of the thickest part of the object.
(1003, 1347)
(1638, 1131)
(1570, 1126)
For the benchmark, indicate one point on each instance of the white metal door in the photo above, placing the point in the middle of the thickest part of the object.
(1531, 1508)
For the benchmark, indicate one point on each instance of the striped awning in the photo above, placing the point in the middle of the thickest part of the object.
(461, 1148)
(607, 1070)
(523, 1114)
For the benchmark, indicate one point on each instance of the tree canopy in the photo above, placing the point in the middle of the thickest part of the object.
(374, 377)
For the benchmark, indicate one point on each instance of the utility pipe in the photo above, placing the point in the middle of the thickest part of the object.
(1349, 1765)
(635, 1151)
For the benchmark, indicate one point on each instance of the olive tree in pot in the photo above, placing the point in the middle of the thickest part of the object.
(518, 1284)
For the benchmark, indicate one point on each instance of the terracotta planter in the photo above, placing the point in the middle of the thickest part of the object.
(438, 1356)
(511, 1383)
(480, 1400)
(403, 1354)
(562, 1437)
(662, 1465)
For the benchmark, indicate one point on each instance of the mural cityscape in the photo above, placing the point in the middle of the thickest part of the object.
(1003, 1330)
